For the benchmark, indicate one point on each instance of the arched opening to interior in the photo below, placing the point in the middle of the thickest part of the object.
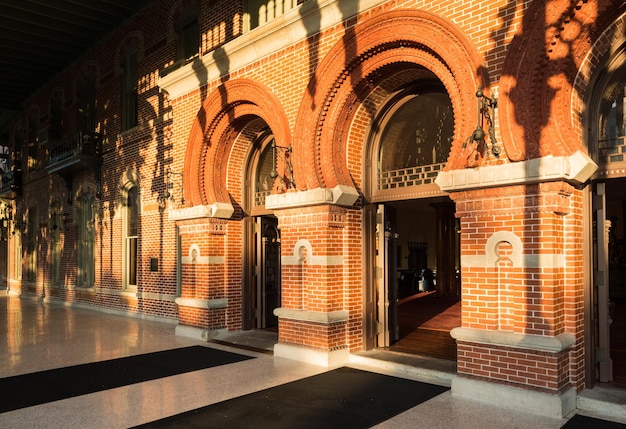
(607, 146)
(415, 233)
(262, 294)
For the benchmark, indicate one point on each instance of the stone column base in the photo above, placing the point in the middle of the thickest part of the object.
(531, 401)
(196, 333)
(325, 358)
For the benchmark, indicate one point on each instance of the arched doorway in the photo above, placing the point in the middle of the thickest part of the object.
(415, 233)
(263, 238)
(607, 145)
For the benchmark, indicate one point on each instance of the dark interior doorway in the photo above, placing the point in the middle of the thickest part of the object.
(421, 264)
(615, 203)
(266, 293)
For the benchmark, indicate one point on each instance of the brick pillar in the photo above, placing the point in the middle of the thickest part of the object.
(313, 321)
(519, 296)
(203, 301)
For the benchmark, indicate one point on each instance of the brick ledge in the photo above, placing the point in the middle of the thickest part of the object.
(202, 303)
(340, 195)
(338, 316)
(575, 169)
(541, 343)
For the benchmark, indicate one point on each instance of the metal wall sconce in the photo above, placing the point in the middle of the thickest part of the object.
(285, 153)
(56, 219)
(486, 114)
(6, 220)
(173, 180)
(19, 225)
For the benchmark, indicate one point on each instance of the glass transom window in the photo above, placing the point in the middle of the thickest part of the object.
(612, 127)
(415, 139)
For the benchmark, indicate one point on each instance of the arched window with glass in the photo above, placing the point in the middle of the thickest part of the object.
(611, 121)
(416, 130)
(131, 236)
(32, 230)
(264, 172)
(86, 240)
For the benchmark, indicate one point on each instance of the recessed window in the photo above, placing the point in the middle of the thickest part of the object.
(31, 245)
(129, 91)
(259, 12)
(612, 123)
(188, 30)
(131, 232)
(56, 220)
(33, 134)
(86, 241)
(86, 100)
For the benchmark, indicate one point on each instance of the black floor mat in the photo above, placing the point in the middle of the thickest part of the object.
(584, 422)
(46, 386)
(342, 398)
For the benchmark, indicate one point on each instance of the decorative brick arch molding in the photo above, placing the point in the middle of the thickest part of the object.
(537, 89)
(607, 54)
(222, 114)
(385, 44)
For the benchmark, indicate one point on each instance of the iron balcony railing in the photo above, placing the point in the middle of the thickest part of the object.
(78, 144)
(10, 183)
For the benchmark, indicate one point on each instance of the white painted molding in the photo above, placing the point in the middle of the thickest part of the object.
(194, 256)
(576, 169)
(543, 260)
(196, 333)
(340, 195)
(491, 254)
(529, 401)
(325, 318)
(215, 210)
(541, 343)
(310, 258)
(286, 30)
(210, 304)
(323, 358)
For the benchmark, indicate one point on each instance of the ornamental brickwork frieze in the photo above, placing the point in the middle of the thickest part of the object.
(548, 197)
(537, 84)
(388, 43)
(213, 133)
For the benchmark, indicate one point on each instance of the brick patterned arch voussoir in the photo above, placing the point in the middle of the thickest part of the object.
(540, 89)
(408, 37)
(211, 136)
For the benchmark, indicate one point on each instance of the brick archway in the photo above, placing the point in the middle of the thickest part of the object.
(388, 43)
(216, 125)
(537, 97)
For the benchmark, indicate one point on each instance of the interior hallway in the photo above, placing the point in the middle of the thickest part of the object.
(37, 336)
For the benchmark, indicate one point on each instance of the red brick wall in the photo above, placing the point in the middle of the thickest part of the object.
(317, 96)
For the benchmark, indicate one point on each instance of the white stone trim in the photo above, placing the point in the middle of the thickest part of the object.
(526, 400)
(106, 310)
(542, 260)
(199, 258)
(215, 210)
(196, 333)
(340, 195)
(156, 296)
(323, 358)
(127, 293)
(325, 318)
(286, 30)
(211, 304)
(576, 168)
(310, 259)
(203, 260)
(491, 254)
(540, 343)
